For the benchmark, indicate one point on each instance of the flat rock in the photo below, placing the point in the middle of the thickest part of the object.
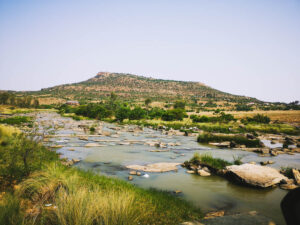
(288, 186)
(155, 167)
(255, 175)
(93, 145)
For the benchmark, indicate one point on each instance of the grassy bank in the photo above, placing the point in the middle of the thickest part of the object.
(37, 189)
(79, 197)
(236, 139)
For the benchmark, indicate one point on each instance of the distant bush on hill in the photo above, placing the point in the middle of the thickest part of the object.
(204, 119)
(258, 118)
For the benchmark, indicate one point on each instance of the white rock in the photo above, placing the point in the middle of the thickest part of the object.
(255, 175)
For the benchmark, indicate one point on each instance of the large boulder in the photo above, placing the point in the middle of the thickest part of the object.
(255, 175)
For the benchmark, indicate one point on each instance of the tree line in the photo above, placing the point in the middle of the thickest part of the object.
(23, 102)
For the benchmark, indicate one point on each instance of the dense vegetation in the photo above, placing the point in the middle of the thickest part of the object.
(16, 120)
(233, 139)
(223, 117)
(25, 101)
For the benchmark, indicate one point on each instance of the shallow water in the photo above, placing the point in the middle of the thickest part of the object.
(209, 193)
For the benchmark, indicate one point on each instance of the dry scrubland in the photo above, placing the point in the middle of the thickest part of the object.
(282, 116)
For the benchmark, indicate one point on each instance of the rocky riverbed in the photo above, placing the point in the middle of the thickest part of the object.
(113, 149)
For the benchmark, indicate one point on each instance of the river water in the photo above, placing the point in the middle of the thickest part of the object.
(126, 148)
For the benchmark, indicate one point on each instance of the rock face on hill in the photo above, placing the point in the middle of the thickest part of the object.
(255, 175)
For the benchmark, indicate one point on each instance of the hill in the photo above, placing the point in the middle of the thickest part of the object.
(133, 87)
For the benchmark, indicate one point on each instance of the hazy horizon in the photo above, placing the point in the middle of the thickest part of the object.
(249, 48)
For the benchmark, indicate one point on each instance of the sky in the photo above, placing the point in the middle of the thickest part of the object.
(249, 47)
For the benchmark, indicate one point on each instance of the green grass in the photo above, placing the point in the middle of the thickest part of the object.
(208, 160)
(16, 120)
(226, 128)
(238, 139)
(84, 198)
(10, 210)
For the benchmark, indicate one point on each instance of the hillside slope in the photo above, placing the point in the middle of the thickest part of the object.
(132, 87)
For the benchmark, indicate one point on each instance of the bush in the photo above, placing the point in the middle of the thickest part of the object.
(122, 113)
(258, 118)
(242, 107)
(17, 120)
(208, 160)
(223, 117)
(179, 104)
(20, 155)
(173, 114)
(156, 113)
(137, 113)
(238, 139)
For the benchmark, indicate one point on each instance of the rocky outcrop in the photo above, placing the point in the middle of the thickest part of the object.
(255, 175)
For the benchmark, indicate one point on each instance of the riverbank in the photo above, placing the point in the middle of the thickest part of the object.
(50, 193)
(109, 148)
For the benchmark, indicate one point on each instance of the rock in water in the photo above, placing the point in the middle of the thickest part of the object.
(155, 167)
(203, 173)
(296, 176)
(255, 175)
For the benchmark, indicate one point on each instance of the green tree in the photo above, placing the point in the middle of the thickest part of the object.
(179, 104)
(122, 113)
(21, 154)
(137, 113)
(148, 101)
(4, 98)
(36, 103)
(174, 114)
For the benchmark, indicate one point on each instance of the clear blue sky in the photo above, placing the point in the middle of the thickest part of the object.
(243, 47)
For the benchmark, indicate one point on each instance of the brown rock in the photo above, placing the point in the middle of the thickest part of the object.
(214, 214)
(296, 176)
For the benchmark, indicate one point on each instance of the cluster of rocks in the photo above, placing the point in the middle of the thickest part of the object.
(201, 170)
(70, 162)
(133, 172)
(248, 174)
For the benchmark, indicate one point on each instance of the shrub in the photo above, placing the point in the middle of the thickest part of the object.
(173, 114)
(221, 118)
(237, 160)
(258, 118)
(208, 160)
(122, 113)
(156, 113)
(17, 120)
(20, 154)
(242, 107)
(179, 104)
(238, 139)
(137, 113)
